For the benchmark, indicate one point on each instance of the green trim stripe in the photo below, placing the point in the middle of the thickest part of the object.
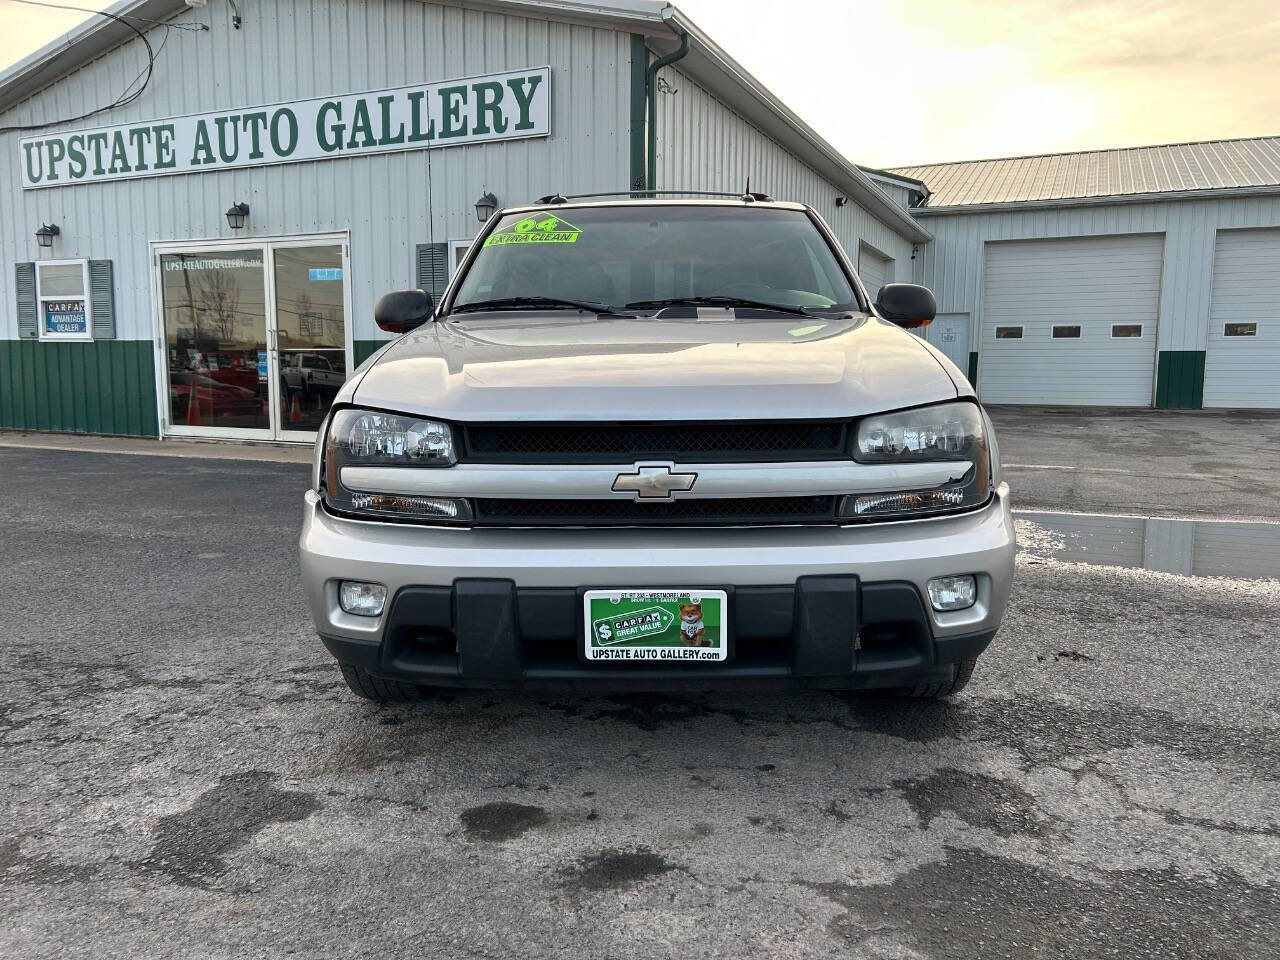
(1180, 379)
(103, 386)
(364, 349)
(973, 369)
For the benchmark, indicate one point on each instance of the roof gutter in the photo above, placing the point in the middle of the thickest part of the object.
(651, 95)
(1208, 193)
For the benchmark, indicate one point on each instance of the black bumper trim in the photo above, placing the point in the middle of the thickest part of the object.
(821, 631)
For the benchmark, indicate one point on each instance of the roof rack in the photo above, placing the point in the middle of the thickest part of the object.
(748, 197)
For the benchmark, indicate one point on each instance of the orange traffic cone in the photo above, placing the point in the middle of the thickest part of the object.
(193, 408)
(295, 410)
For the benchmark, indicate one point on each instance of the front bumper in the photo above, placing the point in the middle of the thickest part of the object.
(809, 606)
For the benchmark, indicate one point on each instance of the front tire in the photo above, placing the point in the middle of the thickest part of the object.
(945, 688)
(364, 684)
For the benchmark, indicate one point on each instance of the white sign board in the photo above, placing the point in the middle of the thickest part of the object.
(499, 106)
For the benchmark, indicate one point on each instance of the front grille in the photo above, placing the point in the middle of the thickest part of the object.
(503, 512)
(625, 442)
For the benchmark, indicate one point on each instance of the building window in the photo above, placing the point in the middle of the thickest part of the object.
(1120, 330)
(1071, 332)
(1240, 330)
(1008, 333)
(62, 300)
(457, 253)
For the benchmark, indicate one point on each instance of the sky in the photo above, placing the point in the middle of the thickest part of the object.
(900, 82)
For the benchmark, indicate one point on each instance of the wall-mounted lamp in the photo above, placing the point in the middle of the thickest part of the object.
(485, 207)
(841, 201)
(237, 214)
(45, 235)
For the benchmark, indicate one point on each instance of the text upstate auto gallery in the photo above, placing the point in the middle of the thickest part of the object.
(497, 106)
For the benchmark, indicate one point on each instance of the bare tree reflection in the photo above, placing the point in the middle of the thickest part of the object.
(220, 302)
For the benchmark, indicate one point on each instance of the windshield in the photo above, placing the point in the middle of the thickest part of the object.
(642, 258)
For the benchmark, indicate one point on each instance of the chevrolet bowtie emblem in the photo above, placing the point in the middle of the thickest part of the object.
(653, 482)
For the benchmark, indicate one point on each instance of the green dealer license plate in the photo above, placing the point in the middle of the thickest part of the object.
(658, 626)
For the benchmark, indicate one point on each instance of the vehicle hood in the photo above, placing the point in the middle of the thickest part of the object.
(553, 366)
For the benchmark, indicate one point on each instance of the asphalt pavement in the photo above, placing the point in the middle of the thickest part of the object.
(183, 773)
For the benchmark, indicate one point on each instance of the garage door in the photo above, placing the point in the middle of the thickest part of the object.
(1070, 321)
(874, 268)
(1242, 360)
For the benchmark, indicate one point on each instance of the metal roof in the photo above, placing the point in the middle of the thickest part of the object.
(707, 63)
(1176, 168)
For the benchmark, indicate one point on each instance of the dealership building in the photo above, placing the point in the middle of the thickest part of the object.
(203, 260)
(204, 200)
(1140, 277)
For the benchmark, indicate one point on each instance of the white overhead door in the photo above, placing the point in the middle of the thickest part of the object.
(874, 268)
(1242, 359)
(1070, 321)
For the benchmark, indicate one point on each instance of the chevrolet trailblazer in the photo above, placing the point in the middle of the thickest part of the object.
(663, 444)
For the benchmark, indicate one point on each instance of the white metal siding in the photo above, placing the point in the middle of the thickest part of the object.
(1091, 282)
(305, 48)
(874, 269)
(703, 145)
(951, 265)
(1244, 371)
(901, 195)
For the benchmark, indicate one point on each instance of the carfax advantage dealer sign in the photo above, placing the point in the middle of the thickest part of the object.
(500, 106)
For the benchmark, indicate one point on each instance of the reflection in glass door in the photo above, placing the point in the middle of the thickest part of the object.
(310, 332)
(215, 339)
(254, 336)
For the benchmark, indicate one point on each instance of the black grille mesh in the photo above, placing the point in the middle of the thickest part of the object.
(720, 442)
(753, 510)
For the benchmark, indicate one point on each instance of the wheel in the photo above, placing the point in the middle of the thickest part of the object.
(366, 685)
(939, 689)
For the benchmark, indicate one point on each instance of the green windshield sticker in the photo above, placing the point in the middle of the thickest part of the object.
(801, 331)
(537, 229)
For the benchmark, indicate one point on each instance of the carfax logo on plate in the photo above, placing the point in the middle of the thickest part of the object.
(635, 625)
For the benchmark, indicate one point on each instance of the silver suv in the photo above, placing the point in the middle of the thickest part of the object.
(657, 444)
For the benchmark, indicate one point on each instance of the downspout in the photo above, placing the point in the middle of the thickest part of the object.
(651, 93)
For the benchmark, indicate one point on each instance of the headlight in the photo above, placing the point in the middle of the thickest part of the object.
(385, 438)
(947, 431)
(365, 438)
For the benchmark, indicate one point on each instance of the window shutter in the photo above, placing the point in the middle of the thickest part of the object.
(102, 296)
(25, 284)
(433, 269)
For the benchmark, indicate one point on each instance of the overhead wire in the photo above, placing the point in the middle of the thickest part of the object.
(126, 97)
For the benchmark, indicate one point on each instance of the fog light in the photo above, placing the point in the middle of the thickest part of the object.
(952, 593)
(366, 599)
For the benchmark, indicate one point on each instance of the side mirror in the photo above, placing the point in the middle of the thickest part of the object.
(906, 304)
(402, 310)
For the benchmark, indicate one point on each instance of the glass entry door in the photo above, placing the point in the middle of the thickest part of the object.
(254, 337)
(215, 339)
(310, 340)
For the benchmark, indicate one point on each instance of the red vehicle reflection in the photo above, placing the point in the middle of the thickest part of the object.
(213, 399)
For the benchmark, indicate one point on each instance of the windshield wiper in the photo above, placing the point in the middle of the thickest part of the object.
(725, 302)
(541, 303)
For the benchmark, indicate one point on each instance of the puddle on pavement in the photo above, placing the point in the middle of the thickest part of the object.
(1195, 548)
